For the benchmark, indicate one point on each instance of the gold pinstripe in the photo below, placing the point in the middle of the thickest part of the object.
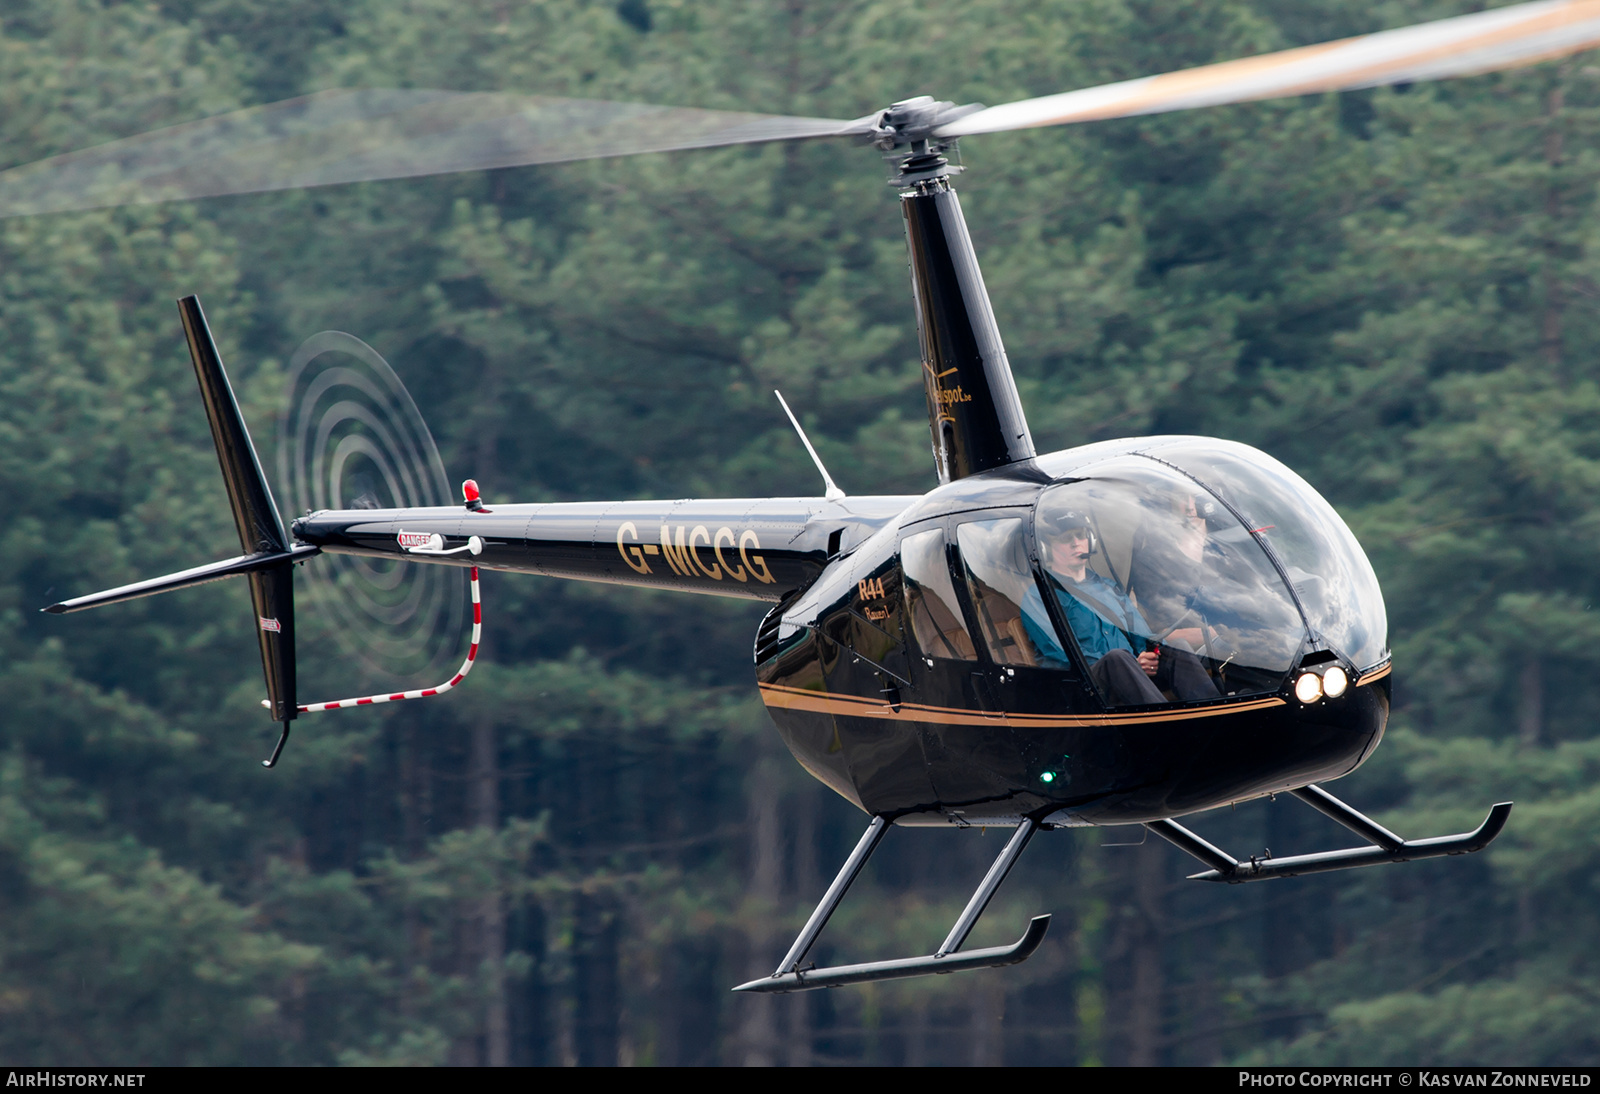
(1375, 674)
(823, 702)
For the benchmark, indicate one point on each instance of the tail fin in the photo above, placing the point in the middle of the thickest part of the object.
(261, 530)
(268, 557)
(260, 527)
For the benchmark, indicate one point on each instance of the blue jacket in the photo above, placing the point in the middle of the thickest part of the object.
(1096, 635)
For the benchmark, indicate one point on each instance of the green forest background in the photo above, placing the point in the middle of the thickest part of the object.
(574, 858)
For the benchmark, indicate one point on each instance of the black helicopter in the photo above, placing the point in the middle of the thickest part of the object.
(1122, 633)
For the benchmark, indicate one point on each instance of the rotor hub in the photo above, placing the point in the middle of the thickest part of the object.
(912, 120)
(906, 133)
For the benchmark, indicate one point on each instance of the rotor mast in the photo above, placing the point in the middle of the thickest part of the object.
(974, 412)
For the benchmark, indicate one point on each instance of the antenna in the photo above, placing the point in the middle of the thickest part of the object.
(831, 490)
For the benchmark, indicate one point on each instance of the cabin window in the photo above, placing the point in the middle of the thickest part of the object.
(931, 598)
(1000, 581)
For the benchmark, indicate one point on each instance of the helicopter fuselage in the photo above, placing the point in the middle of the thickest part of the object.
(1124, 632)
(894, 727)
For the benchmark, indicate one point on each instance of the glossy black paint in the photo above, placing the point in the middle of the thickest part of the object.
(967, 742)
(905, 735)
(184, 579)
(272, 598)
(752, 548)
(925, 772)
(974, 412)
(953, 742)
(254, 514)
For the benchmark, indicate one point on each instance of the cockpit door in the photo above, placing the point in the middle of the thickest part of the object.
(1029, 666)
(1144, 563)
(1005, 598)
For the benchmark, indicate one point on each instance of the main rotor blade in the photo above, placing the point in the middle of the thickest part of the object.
(1483, 42)
(361, 135)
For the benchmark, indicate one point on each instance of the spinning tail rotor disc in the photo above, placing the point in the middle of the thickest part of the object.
(352, 438)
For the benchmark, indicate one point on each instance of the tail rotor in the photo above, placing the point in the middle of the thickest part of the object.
(352, 438)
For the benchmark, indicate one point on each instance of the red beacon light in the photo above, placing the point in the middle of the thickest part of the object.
(469, 491)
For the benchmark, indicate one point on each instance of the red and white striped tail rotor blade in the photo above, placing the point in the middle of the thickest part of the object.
(1482, 42)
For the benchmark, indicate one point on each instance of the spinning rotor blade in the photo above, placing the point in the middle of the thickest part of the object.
(363, 135)
(357, 136)
(1470, 44)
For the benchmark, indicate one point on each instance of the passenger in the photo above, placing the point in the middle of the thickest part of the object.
(1165, 572)
(1165, 579)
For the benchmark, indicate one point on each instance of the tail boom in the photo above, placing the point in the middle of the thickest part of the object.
(751, 548)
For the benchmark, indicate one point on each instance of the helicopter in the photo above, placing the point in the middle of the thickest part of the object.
(1126, 632)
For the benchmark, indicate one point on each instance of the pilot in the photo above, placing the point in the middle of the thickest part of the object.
(1106, 632)
(1111, 631)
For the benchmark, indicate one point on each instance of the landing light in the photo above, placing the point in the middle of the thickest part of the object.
(1047, 777)
(1308, 689)
(1334, 681)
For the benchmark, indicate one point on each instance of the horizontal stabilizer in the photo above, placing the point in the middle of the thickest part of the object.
(213, 571)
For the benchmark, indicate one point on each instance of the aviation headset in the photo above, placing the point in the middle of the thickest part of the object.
(1056, 524)
(1211, 511)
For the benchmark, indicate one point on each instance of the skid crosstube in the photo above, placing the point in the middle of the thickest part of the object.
(1385, 847)
(789, 976)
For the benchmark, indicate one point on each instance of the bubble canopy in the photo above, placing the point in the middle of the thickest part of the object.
(1212, 560)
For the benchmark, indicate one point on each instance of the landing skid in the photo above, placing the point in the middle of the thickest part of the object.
(789, 976)
(1385, 846)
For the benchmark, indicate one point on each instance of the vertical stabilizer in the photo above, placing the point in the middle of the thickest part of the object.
(254, 513)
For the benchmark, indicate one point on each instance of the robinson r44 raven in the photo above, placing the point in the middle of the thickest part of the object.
(1123, 633)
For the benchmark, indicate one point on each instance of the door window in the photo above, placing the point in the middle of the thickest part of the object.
(931, 598)
(1010, 611)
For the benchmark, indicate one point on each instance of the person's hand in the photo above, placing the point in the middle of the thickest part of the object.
(1149, 660)
(1189, 636)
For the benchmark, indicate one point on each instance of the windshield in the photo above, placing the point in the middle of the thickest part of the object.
(1329, 571)
(1166, 594)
